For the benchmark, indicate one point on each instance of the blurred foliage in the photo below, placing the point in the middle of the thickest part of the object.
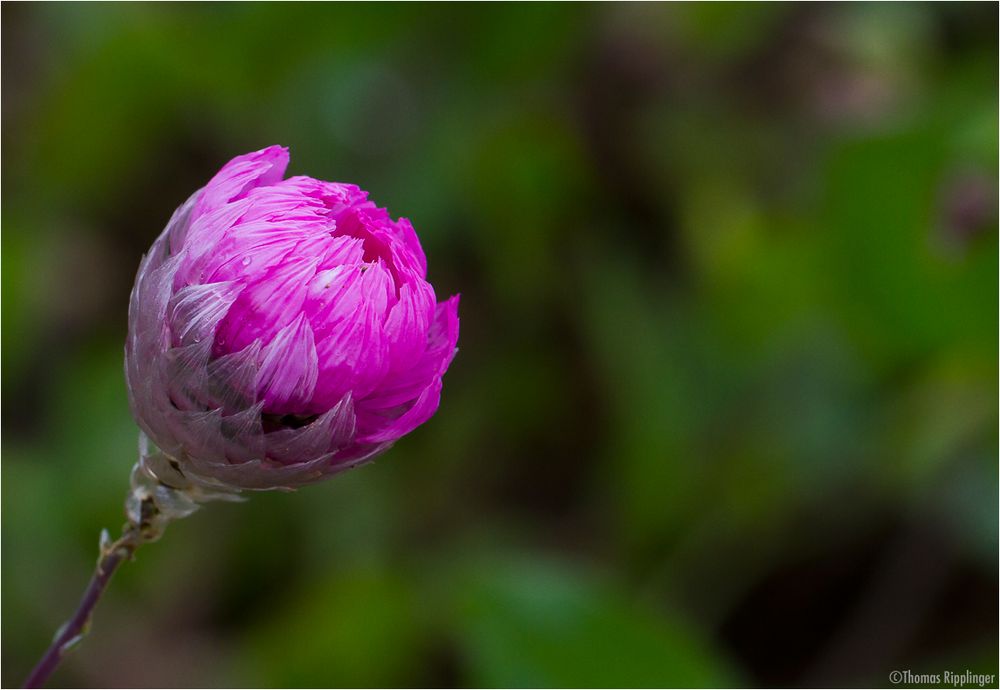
(725, 405)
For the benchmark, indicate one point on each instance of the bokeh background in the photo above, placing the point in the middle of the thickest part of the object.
(725, 406)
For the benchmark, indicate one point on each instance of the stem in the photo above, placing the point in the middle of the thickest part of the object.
(150, 505)
(76, 627)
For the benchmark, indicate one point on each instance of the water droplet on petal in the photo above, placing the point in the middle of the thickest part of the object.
(247, 260)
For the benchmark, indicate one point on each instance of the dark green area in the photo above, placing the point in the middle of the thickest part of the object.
(725, 406)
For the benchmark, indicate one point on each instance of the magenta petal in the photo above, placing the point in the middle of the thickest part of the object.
(287, 376)
(268, 304)
(441, 340)
(333, 197)
(343, 251)
(352, 347)
(240, 255)
(422, 410)
(408, 324)
(241, 174)
(387, 410)
(444, 333)
(404, 229)
(201, 247)
(329, 290)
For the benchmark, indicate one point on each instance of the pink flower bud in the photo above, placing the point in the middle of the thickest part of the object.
(281, 330)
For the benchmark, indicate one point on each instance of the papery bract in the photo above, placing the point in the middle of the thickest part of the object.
(281, 330)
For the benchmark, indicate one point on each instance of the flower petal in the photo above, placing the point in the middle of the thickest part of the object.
(390, 429)
(287, 376)
(185, 374)
(352, 346)
(328, 432)
(240, 175)
(194, 312)
(408, 324)
(267, 305)
(232, 379)
(406, 401)
(243, 435)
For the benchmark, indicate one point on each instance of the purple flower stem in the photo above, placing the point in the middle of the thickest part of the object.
(77, 626)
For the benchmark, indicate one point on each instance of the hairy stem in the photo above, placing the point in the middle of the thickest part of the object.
(112, 555)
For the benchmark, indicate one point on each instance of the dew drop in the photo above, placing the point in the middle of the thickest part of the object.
(247, 260)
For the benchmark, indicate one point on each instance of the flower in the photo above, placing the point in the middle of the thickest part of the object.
(281, 330)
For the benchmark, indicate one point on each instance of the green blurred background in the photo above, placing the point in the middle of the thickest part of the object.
(725, 406)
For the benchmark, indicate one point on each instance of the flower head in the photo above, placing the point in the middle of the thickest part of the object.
(281, 330)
